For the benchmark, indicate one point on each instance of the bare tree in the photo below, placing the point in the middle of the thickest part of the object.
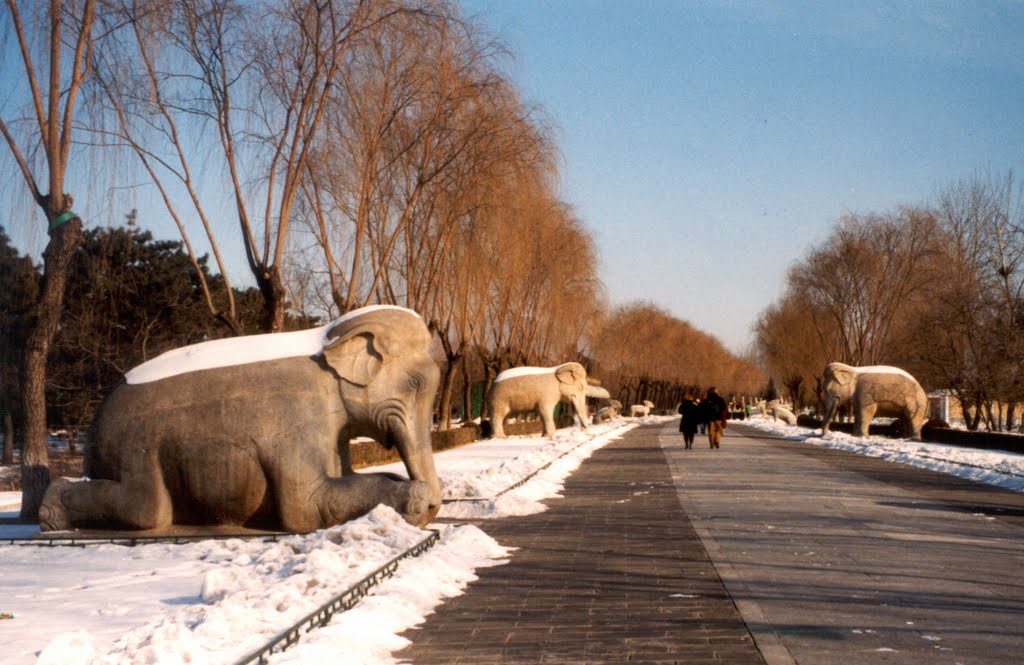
(244, 87)
(54, 79)
(976, 321)
(865, 274)
(643, 352)
(795, 340)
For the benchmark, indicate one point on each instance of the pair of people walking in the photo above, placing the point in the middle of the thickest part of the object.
(711, 411)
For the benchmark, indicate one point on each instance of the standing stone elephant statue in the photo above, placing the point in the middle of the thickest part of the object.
(253, 438)
(538, 388)
(877, 390)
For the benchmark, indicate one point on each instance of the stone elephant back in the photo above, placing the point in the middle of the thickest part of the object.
(209, 434)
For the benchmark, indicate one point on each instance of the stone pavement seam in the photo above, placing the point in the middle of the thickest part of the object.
(768, 642)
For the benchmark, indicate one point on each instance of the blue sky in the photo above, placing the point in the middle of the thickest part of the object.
(708, 145)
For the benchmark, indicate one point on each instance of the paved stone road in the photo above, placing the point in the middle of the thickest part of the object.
(835, 558)
(613, 573)
(820, 557)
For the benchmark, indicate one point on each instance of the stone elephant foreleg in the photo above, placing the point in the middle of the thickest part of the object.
(499, 411)
(865, 412)
(312, 505)
(547, 414)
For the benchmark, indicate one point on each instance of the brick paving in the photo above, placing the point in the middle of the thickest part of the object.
(612, 573)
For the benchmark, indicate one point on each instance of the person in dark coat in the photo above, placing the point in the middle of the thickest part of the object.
(715, 413)
(691, 417)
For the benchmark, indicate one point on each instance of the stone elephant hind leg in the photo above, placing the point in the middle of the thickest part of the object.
(140, 501)
(913, 421)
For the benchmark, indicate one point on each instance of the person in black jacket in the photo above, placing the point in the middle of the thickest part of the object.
(691, 417)
(715, 414)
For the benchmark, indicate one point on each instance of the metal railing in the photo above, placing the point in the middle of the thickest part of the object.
(133, 541)
(344, 601)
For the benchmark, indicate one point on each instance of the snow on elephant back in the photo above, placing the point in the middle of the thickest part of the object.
(249, 431)
(877, 390)
(538, 389)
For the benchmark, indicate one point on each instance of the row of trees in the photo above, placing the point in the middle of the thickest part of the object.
(642, 352)
(131, 298)
(134, 297)
(937, 289)
(354, 151)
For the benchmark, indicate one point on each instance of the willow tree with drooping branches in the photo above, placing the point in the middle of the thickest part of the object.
(54, 69)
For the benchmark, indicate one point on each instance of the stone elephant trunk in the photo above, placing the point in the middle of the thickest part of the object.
(414, 447)
(832, 402)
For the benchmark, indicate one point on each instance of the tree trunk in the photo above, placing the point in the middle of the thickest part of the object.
(8, 457)
(447, 382)
(467, 393)
(972, 418)
(991, 421)
(35, 459)
(489, 366)
(275, 299)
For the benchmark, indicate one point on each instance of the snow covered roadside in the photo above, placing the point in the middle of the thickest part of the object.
(251, 590)
(215, 601)
(993, 467)
(477, 480)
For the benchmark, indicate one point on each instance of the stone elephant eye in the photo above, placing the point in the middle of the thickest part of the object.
(416, 382)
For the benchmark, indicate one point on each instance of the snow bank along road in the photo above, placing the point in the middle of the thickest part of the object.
(828, 556)
(837, 558)
(216, 601)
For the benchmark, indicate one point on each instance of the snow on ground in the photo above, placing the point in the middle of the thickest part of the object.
(476, 481)
(994, 467)
(217, 600)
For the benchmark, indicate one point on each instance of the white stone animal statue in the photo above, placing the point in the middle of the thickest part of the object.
(538, 388)
(779, 412)
(640, 410)
(877, 390)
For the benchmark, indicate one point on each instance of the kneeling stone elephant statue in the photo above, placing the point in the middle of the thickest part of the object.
(877, 390)
(258, 442)
(528, 388)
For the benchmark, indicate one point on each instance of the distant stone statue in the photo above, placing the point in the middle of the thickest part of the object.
(610, 412)
(250, 438)
(779, 412)
(877, 390)
(640, 410)
(538, 389)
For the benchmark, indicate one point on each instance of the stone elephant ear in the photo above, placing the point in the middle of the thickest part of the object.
(569, 373)
(842, 373)
(357, 353)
